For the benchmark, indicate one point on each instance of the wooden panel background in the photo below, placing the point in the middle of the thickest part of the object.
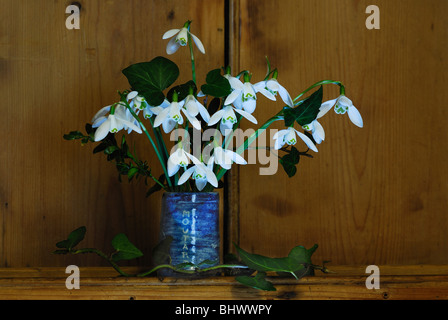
(372, 195)
(376, 195)
(53, 81)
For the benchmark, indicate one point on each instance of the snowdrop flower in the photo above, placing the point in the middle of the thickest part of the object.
(201, 173)
(192, 108)
(274, 87)
(316, 130)
(225, 158)
(137, 102)
(149, 111)
(169, 116)
(288, 136)
(228, 118)
(179, 158)
(179, 37)
(244, 95)
(342, 104)
(113, 122)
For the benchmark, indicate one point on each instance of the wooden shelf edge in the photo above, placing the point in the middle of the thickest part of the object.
(347, 283)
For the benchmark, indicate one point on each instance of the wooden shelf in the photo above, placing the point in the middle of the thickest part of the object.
(422, 282)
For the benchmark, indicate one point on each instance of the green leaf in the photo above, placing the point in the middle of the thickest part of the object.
(184, 265)
(257, 282)
(151, 78)
(125, 250)
(73, 135)
(306, 112)
(73, 239)
(182, 90)
(161, 252)
(216, 85)
(132, 172)
(289, 161)
(297, 258)
(207, 262)
(110, 149)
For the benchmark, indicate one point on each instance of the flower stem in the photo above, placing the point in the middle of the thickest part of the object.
(194, 271)
(103, 255)
(193, 66)
(339, 83)
(252, 137)
(159, 156)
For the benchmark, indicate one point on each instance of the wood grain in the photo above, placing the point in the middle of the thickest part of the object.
(53, 81)
(376, 195)
(423, 282)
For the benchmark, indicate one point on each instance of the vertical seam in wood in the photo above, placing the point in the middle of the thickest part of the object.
(232, 200)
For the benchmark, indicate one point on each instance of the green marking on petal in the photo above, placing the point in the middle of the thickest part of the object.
(340, 109)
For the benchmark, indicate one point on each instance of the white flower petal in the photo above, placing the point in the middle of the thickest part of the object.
(280, 134)
(194, 159)
(232, 97)
(273, 85)
(235, 157)
(226, 128)
(216, 117)
(285, 96)
(172, 46)
(191, 106)
(344, 101)
(131, 95)
(161, 116)
(182, 37)
(198, 43)
(130, 125)
(247, 115)
(261, 85)
(235, 83)
(99, 121)
(325, 107)
(307, 141)
(173, 167)
(250, 105)
(101, 113)
(211, 178)
(102, 131)
(194, 122)
(170, 33)
(355, 116)
(267, 94)
(200, 184)
(185, 176)
(168, 125)
(318, 131)
(203, 112)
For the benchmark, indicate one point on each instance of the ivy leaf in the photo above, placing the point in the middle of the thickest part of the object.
(151, 78)
(297, 258)
(73, 135)
(257, 282)
(161, 253)
(132, 172)
(73, 239)
(183, 90)
(306, 112)
(289, 161)
(216, 85)
(125, 250)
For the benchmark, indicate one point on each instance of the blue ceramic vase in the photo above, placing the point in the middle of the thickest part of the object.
(192, 220)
